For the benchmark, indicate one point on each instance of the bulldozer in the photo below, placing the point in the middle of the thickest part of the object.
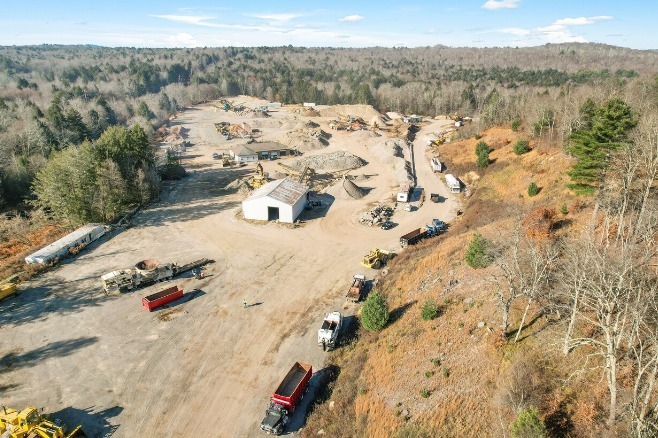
(29, 423)
(376, 258)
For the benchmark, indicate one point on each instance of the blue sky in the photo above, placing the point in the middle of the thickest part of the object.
(456, 23)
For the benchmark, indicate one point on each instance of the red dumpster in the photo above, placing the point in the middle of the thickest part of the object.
(161, 298)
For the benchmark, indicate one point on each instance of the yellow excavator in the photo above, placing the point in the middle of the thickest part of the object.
(376, 258)
(29, 423)
(259, 179)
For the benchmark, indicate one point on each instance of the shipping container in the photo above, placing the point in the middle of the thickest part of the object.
(161, 298)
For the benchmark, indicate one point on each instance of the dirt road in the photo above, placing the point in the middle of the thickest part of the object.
(204, 366)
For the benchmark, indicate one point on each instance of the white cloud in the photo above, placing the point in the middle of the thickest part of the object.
(277, 17)
(352, 18)
(182, 40)
(493, 5)
(197, 20)
(582, 20)
(516, 31)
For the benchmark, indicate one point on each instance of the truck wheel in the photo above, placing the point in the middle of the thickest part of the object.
(377, 264)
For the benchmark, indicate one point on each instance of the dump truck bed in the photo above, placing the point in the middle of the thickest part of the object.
(293, 385)
(412, 237)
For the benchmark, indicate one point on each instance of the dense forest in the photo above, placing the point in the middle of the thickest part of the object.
(55, 97)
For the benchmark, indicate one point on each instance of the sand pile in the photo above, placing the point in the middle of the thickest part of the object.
(239, 186)
(390, 153)
(366, 112)
(352, 189)
(333, 161)
(365, 134)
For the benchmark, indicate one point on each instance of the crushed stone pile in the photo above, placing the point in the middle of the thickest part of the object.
(376, 215)
(352, 189)
(366, 112)
(332, 161)
(305, 139)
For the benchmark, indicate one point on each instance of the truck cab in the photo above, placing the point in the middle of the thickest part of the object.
(276, 418)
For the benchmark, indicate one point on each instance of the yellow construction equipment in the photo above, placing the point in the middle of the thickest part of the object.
(29, 423)
(302, 175)
(437, 142)
(259, 179)
(376, 258)
(9, 287)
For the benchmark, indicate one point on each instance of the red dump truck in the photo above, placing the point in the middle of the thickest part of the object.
(412, 237)
(285, 398)
(161, 298)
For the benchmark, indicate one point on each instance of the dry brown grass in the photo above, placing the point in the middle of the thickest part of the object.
(473, 397)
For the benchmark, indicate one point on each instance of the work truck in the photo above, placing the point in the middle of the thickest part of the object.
(286, 397)
(357, 289)
(328, 332)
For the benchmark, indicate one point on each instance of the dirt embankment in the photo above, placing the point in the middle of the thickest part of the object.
(452, 375)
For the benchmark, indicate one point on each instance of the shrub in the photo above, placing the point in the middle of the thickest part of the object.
(429, 310)
(521, 147)
(528, 425)
(482, 152)
(516, 124)
(429, 374)
(374, 314)
(424, 392)
(436, 362)
(477, 254)
(481, 147)
(564, 209)
(446, 372)
(477, 136)
(533, 190)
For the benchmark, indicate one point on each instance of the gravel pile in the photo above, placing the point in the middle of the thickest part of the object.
(332, 161)
(239, 186)
(305, 139)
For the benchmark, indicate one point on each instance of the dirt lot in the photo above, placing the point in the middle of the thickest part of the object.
(204, 366)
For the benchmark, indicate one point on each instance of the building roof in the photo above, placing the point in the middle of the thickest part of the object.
(283, 190)
(243, 151)
(266, 146)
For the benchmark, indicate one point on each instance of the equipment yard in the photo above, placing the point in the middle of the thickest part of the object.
(206, 365)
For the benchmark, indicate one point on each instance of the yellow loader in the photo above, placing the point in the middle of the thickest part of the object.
(29, 423)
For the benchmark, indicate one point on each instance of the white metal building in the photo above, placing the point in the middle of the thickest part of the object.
(453, 183)
(242, 154)
(281, 200)
(61, 248)
(436, 165)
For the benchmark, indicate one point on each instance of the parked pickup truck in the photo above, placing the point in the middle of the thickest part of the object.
(355, 292)
(286, 397)
(328, 333)
(412, 237)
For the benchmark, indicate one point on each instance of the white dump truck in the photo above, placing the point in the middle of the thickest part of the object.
(328, 333)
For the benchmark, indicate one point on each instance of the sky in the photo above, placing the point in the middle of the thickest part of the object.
(333, 23)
